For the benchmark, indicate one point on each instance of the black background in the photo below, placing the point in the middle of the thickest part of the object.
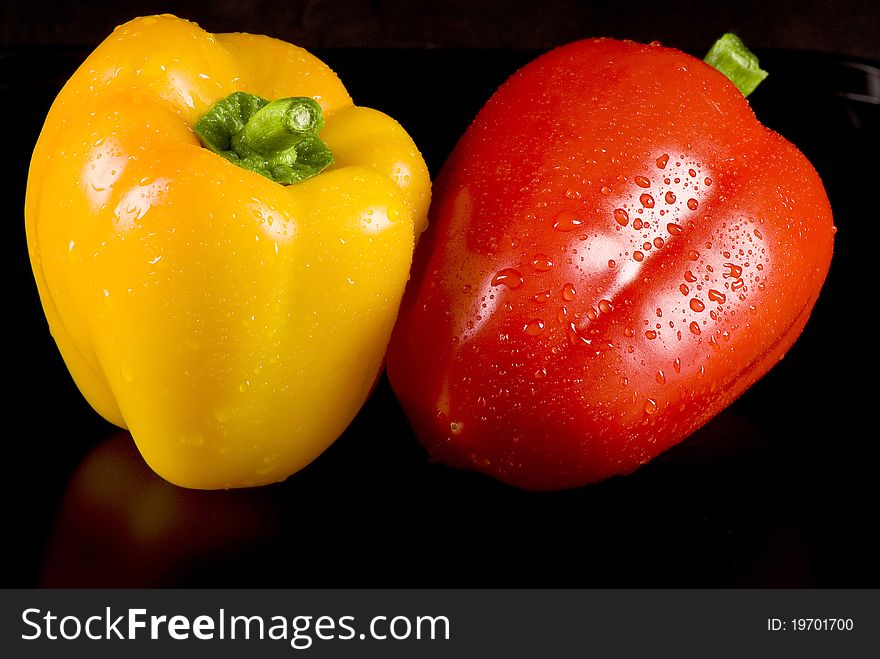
(779, 490)
(849, 27)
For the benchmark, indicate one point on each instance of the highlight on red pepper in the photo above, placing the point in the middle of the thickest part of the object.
(618, 249)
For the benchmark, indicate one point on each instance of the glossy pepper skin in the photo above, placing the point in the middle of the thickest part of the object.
(234, 325)
(618, 250)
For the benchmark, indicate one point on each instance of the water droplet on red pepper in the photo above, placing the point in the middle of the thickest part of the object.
(566, 221)
(733, 271)
(575, 337)
(541, 263)
(508, 277)
(717, 296)
(533, 327)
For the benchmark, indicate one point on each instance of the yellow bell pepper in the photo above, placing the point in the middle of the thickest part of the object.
(233, 324)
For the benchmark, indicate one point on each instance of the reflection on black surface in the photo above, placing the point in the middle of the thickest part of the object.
(373, 511)
(121, 525)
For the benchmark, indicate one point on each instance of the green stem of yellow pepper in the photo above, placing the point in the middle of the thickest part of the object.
(278, 140)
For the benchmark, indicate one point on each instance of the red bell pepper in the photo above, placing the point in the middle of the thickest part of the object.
(618, 250)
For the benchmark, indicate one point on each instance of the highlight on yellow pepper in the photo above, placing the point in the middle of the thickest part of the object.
(220, 240)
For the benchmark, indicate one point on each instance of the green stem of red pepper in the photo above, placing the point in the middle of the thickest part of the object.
(278, 139)
(730, 56)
